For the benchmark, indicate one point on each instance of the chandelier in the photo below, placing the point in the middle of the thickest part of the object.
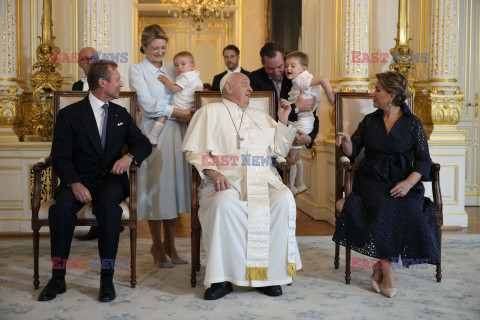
(199, 11)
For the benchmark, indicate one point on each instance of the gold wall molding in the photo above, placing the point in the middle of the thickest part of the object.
(443, 80)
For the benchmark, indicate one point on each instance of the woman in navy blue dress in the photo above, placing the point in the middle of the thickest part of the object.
(387, 215)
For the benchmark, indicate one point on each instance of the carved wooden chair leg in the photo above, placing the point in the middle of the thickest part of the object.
(337, 256)
(439, 265)
(195, 257)
(348, 255)
(198, 249)
(36, 244)
(133, 256)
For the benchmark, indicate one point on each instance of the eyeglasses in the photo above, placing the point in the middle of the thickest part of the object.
(87, 59)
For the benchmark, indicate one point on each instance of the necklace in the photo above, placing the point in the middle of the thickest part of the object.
(237, 130)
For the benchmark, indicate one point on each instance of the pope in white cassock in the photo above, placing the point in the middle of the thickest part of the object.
(247, 214)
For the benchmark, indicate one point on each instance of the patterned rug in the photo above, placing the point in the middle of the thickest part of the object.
(318, 291)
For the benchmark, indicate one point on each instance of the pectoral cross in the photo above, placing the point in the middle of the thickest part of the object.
(238, 141)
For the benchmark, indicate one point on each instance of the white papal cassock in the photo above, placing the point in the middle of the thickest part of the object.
(248, 230)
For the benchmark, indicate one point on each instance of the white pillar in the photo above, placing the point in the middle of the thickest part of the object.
(97, 26)
(442, 67)
(354, 74)
(9, 89)
(107, 27)
(438, 104)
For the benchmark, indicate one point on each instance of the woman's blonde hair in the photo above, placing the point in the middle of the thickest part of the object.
(150, 33)
(394, 82)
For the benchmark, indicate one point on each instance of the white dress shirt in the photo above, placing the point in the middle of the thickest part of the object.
(85, 84)
(236, 70)
(98, 111)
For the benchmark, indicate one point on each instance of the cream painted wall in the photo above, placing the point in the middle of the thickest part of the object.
(383, 31)
(254, 30)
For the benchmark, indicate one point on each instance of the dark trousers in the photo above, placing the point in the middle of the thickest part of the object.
(107, 194)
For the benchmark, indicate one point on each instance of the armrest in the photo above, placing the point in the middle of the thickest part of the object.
(38, 168)
(42, 165)
(345, 163)
(346, 166)
(194, 202)
(437, 193)
(132, 204)
(286, 172)
(284, 166)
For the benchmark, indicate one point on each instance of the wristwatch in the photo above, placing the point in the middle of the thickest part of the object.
(132, 157)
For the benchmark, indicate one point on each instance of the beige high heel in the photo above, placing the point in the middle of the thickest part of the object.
(374, 284)
(175, 260)
(390, 292)
(166, 264)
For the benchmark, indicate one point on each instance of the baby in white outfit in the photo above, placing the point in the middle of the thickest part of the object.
(187, 82)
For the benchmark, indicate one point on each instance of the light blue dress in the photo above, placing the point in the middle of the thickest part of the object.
(164, 178)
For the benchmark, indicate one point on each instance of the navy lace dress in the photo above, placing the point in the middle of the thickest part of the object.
(373, 222)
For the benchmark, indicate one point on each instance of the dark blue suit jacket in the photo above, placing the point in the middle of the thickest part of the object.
(77, 152)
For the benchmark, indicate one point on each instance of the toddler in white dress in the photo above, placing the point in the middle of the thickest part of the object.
(296, 64)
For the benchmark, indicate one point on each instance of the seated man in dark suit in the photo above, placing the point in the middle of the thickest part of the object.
(271, 77)
(86, 57)
(231, 56)
(87, 156)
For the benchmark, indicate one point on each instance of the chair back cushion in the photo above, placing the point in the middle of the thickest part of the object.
(61, 99)
(262, 100)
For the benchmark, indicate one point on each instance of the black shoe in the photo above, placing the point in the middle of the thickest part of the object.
(91, 235)
(218, 290)
(107, 291)
(54, 286)
(272, 291)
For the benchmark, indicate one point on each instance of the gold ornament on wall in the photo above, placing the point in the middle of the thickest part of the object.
(44, 81)
(401, 53)
(439, 109)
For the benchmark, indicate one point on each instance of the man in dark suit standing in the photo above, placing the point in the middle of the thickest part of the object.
(87, 156)
(271, 77)
(86, 57)
(231, 56)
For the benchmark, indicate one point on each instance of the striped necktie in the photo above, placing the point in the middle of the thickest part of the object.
(277, 89)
